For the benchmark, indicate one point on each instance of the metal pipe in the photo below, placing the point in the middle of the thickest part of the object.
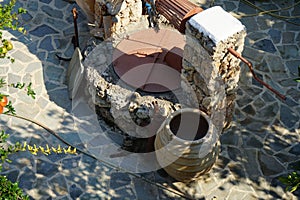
(249, 64)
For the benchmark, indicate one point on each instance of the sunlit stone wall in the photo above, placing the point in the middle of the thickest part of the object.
(211, 71)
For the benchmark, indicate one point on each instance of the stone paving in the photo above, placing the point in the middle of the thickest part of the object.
(261, 145)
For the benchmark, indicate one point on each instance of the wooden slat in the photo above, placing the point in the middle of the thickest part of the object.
(177, 11)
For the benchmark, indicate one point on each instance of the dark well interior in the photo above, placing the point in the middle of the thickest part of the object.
(189, 126)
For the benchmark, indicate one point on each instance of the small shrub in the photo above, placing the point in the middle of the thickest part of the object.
(292, 181)
(10, 190)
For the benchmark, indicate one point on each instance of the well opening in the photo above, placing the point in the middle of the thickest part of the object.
(189, 126)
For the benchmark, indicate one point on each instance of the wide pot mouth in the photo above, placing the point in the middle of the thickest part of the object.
(188, 124)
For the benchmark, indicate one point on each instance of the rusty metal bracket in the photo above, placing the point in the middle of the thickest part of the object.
(249, 64)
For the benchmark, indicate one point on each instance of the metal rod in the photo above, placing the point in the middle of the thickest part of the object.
(76, 38)
(249, 64)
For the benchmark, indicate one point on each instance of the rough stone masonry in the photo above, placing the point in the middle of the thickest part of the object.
(209, 77)
(211, 71)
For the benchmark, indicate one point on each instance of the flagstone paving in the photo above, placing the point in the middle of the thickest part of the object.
(261, 145)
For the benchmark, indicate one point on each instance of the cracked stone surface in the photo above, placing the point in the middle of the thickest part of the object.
(261, 145)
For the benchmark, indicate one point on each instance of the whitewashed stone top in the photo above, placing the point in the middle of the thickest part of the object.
(216, 23)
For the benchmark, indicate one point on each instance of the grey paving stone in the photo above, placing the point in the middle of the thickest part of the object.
(89, 162)
(33, 47)
(265, 45)
(269, 111)
(253, 91)
(293, 27)
(41, 55)
(291, 103)
(99, 140)
(46, 168)
(76, 179)
(52, 58)
(75, 191)
(59, 185)
(46, 44)
(61, 98)
(293, 92)
(27, 17)
(126, 193)
(88, 196)
(243, 102)
(294, 165)
(250, 22)
(275, 35)
(52, 86)
(295, 149)
(61, 43)
(257, 35)
(60, 4)
(263, 66)
(269, 165)
(293, 67)
(27, 179)
(69, 50)
(68, 31)
(285, 158)
(39, 19)
(230, 6)
(70, 163)
(12, 175)
(230, 138)
(259, 103)
(234, 154)
(119, 180)
(244, 8)
(249, 110)
(268, 97)
(251, 164)
(144, 190)
(52, 12)
(288, 37)
(239, 115)
(237, 194)
(13, 78)
(289, 51)
(54, 73)
(57, 23)
(45, 1)
(288, 117)
(21, 56)
(249, 52)
(42, 30)
(32, 67)
(71, 136)
(252, 142)
(32, 6)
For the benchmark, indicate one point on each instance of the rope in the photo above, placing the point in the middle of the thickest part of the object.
(100, 160)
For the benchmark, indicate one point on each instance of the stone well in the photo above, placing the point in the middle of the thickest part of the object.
(209, 74)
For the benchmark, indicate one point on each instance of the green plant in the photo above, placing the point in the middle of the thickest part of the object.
(292, 181)
(6, 105)
(5, 149)
(9, 20)
(298, 79)
(10, 190)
